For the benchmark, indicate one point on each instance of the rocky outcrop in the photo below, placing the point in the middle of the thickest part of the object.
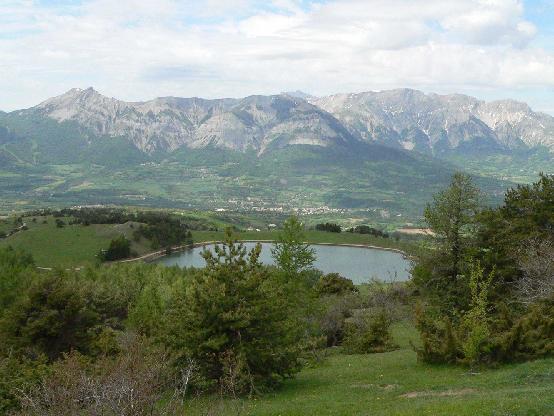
(405, 119)
(436, 123)
(256, 122)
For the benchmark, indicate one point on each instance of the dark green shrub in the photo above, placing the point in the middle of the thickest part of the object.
(439, 343)
(529, 336)
(334, 284)
(310, 277)
(120, 248)
(368, 332)
(53, 317)
(532, 335)
(329, 227)
(335, 311)
(365, 229)
(164, 231)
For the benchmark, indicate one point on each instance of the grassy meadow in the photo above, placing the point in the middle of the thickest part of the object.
(395, 384)
(76, 245)
(70, 245)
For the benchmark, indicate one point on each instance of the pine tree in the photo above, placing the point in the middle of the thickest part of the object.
(234, 318)
(290, 252)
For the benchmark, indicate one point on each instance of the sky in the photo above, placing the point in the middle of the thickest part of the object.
(141, 49)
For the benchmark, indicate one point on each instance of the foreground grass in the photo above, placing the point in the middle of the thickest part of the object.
(395, 384)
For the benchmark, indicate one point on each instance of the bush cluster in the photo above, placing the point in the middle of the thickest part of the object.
(236, 326)
(488, 285)
(366, 229)
(329, 227)
(138, 334)
(334, 284)
(164, 232)
(119, 248)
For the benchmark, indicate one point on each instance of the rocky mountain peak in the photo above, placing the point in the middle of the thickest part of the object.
(299, 94)
(441, 123)
(402, 118)
(74, 94)
(167, 123)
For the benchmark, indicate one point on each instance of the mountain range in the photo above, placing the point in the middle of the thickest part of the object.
(438, 124)
(376, 151)
(405, 119)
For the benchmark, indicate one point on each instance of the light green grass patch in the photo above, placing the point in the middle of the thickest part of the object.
(395, 384)
(71, 245)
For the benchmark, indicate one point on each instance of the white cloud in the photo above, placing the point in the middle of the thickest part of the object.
(138, 49)
(491, 22)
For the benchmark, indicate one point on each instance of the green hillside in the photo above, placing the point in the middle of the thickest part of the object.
(60, 164)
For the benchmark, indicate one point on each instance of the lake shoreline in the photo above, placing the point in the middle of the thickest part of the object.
(150, 257)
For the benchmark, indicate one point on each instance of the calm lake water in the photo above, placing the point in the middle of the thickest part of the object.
(357, 263)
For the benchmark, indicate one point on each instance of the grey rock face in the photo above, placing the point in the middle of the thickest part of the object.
(405, 119)
(255, 122)
(516, 124)
(160, 124)
(434, 123)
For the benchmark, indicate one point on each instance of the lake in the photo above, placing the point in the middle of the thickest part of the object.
(359, 264)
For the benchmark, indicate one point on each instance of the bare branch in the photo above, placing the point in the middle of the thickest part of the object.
(537, 264)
